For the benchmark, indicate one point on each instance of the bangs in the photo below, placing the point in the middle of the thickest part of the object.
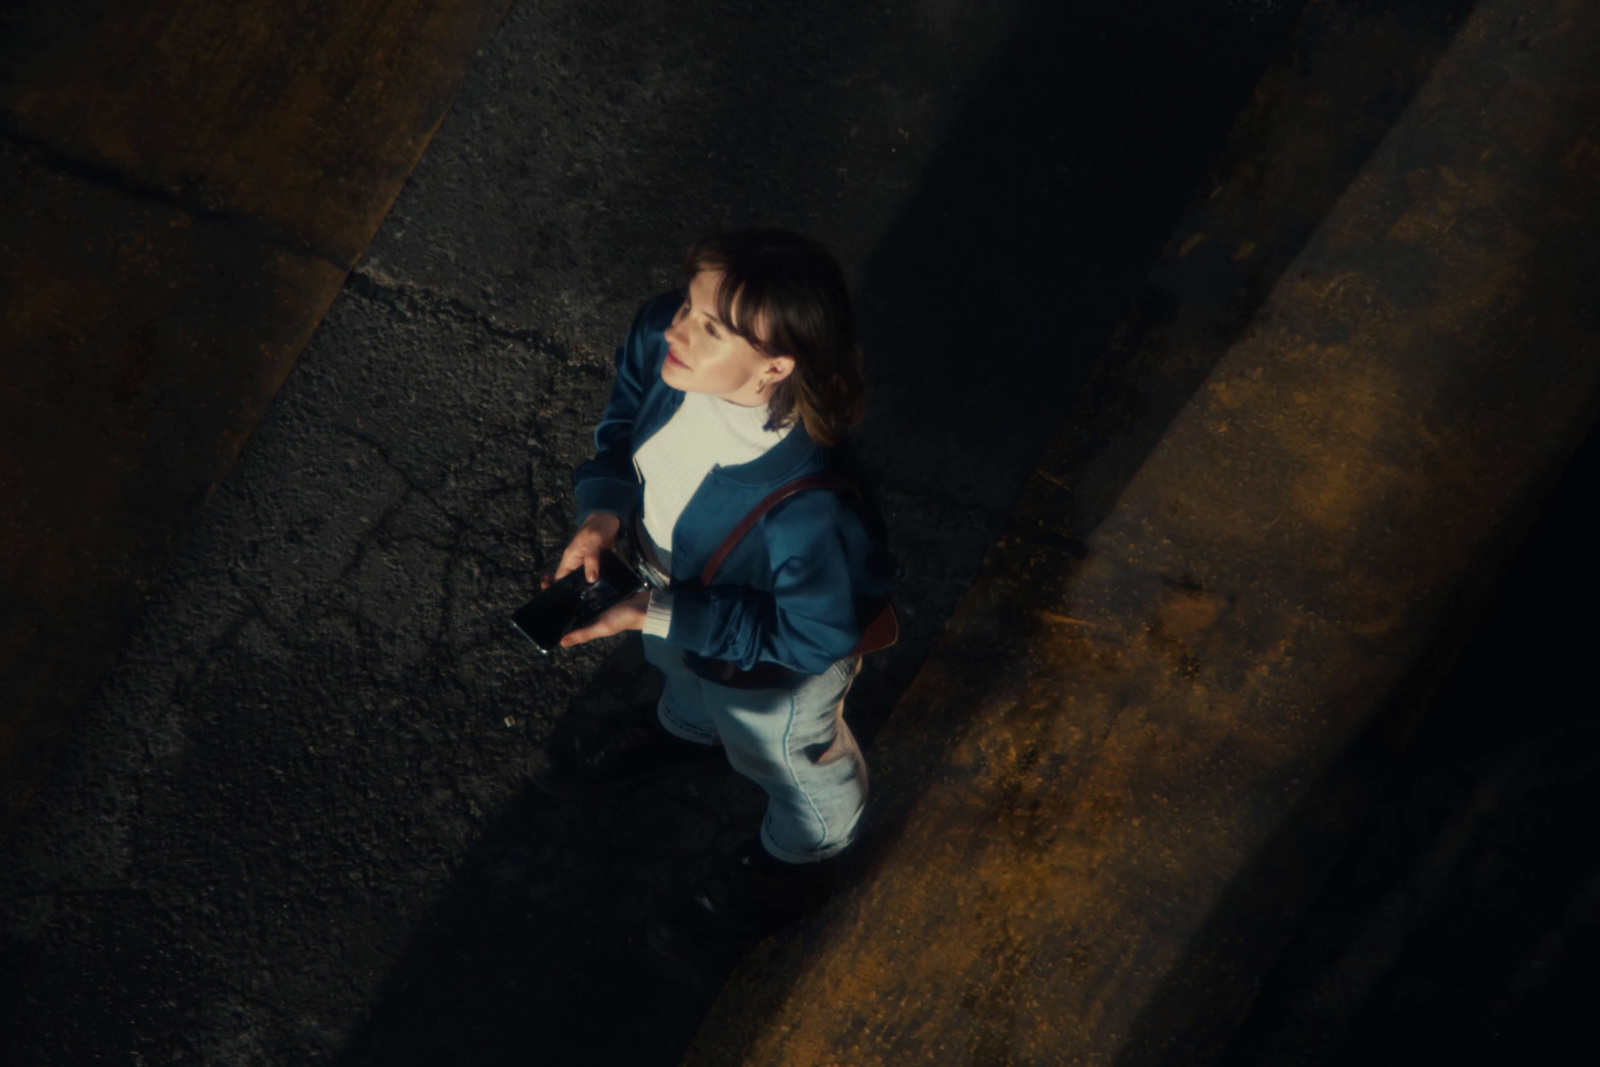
(742, 300)
(789, 287)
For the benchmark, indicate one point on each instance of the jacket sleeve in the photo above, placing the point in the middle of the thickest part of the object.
(820, 556)
(608, 482)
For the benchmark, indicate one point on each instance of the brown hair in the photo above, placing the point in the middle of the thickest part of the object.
(795, 291)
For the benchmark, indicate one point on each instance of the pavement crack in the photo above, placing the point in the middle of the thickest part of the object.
(413, 483)
(411, 299)
(259, 613)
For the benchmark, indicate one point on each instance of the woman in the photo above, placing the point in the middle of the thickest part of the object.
(727, 391)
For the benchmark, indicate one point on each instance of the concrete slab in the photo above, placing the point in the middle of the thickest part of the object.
(1459, 924)
(299, 121)
(186, 185)
(1133, 755)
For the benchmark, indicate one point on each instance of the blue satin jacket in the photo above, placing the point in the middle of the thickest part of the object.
(796, 589)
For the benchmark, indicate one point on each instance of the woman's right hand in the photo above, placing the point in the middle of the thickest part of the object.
(598, 533)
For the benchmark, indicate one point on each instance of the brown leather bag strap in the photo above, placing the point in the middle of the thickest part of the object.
(884, 628)
(772, 500)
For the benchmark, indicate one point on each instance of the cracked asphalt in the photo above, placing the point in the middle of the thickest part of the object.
(295, 828)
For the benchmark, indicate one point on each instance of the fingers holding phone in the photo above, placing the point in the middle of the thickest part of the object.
(571, 604)
(628, 614)
(598, 533)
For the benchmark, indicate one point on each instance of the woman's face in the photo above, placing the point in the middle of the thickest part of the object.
(704, 356)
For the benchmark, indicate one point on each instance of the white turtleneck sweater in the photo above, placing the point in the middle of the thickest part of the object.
(705, 431)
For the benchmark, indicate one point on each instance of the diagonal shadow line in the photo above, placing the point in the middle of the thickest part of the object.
(1327, 972)
(1186, 311)
(1040, 218)
(1246, 933)
(1245, 936)
(1292, 154)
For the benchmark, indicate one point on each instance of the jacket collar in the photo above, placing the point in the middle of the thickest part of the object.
(787, 459)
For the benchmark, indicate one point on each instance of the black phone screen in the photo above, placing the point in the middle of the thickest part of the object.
(574, 602)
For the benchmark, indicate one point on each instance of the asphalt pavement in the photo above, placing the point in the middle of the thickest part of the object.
(296, 826)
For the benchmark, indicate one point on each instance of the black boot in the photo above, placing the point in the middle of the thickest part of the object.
(754, 894)
(636, 750)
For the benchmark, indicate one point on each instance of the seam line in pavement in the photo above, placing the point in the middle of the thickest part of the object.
(103, 176)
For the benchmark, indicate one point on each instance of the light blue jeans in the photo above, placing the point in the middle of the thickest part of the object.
(792, 742)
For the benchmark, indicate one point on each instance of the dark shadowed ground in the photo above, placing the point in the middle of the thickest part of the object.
(296, 828)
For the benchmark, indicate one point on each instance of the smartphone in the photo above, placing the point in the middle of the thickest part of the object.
(574, 602)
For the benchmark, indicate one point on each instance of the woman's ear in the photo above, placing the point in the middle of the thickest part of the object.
(782, 367)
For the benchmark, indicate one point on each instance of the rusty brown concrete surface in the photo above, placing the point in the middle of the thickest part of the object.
(186, 185)
(1118, 777)
(303, 117)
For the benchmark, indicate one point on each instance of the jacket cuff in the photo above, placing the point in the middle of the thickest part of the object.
(692, 618)
(606, 494)
(658, 617)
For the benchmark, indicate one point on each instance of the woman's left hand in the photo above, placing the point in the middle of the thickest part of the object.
(626, 614)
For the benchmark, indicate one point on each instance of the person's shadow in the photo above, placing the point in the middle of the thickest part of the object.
(537, 954)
